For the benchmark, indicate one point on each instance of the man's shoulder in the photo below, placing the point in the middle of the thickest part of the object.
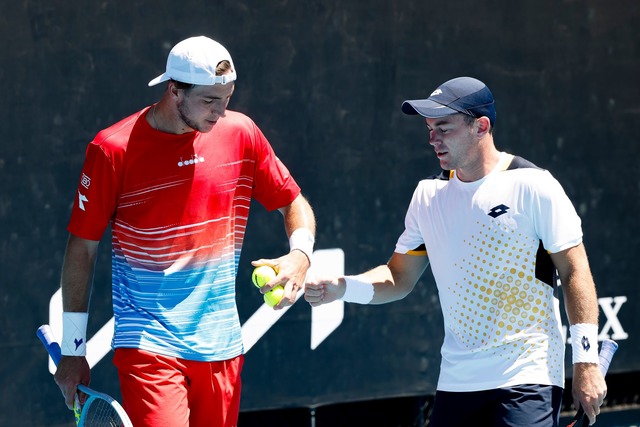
(443, 175)
(236, 118)
(117, 135)
(518, 162)
(523, 170)
(432, 184)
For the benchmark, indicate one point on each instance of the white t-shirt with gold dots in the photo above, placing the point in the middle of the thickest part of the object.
(488, 243)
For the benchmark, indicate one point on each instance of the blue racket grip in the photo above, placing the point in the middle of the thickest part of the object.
(53, 348)
(607, 350)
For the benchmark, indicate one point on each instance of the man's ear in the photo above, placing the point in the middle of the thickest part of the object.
(484, 125)
(173, 89)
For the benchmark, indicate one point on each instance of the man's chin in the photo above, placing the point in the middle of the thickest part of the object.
(207, 127)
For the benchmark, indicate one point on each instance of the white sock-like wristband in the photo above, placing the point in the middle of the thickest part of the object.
(302, 239)
(358, 290)
(74, 333)
(584, 342)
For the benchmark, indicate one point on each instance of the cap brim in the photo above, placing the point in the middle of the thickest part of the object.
(427, 108)
(161, 78)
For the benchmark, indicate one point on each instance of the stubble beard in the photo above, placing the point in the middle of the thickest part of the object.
(183, 113)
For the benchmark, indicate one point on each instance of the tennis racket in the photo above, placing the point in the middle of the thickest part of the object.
(99, 410)
(607, 350)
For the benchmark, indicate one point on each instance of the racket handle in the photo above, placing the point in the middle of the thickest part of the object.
(53, 348)
(607, 350)
(45, 334)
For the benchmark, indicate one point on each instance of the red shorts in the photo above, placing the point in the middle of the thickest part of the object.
(161, 391)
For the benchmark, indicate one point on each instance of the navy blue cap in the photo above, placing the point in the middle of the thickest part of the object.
(464, 95)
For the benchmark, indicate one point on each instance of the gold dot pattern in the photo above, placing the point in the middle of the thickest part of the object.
(502, 307)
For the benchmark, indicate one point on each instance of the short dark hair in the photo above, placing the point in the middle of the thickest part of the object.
(183, 85)
(469, 120)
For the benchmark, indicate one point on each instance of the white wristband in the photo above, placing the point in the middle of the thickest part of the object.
(358, 290)
(302, 239)
(74, 333)
(584, 343)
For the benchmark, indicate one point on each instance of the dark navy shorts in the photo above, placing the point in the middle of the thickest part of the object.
(527, 405)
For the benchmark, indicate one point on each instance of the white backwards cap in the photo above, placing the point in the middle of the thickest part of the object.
(194, 61)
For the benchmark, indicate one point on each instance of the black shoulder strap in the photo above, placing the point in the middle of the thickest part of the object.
(519, 163)
(444, 175)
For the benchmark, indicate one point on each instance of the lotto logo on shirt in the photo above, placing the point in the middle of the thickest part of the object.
(85, 181)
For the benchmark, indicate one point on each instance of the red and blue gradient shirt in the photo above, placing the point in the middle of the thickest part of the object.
(178, 207)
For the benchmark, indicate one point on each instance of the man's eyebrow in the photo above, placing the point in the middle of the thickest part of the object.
(440, 122)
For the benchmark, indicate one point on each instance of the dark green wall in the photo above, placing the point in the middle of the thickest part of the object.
(324, 80)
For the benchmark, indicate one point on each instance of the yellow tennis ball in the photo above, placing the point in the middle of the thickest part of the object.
(263, 274)
(274, 296)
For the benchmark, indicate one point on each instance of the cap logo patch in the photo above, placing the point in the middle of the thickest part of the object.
(436, 92)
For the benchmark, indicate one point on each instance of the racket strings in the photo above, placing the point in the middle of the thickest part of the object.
(101, 413)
